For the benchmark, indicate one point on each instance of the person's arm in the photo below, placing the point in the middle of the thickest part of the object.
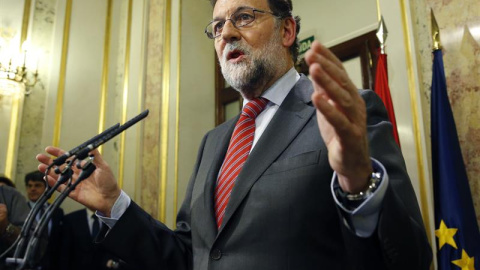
(18, 209)
(354, 128)
(139, 229)
(8, 231)
(362, 215)
(136, 237)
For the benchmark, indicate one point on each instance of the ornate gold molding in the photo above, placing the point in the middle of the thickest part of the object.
(125, 93)
(140, 93)
(177, 113)
(63, 70)
(25, 21)
(416, 125)
(12, 134)
(105, 69)
(162, 207)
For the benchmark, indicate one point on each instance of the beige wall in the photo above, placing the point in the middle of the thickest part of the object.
(30, 142)
(197, 87)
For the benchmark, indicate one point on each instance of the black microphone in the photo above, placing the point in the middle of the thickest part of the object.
(24, 235)
(30, 258)
(61, 159)
(87, 170)
(82, 154)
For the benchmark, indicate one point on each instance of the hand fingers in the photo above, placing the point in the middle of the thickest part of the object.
(330, 78)
(52, 181)
(342, 99)
(330, 114)
(44, 159)
(98, 159)
(332, 68)
(318, 48)
(54, 151)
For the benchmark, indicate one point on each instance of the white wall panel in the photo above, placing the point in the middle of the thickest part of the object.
(83, 79)
(84, 72)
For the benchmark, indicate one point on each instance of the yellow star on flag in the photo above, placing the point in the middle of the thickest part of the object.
(445, 235)
(465, 263)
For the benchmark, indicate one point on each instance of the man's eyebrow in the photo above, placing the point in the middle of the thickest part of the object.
(217, 18)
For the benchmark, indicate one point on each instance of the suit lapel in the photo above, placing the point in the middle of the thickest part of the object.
(288, 121)
(223, 139)
(84, 228)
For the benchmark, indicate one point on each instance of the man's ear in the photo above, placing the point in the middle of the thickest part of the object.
(289, 31)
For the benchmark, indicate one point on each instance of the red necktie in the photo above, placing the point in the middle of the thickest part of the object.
(237, 153)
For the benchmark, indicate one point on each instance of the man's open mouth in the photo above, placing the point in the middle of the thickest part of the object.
(234, 55)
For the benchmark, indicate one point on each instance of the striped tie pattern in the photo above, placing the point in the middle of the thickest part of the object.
(237, 153)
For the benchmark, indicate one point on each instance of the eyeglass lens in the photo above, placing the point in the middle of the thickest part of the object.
(240, 18)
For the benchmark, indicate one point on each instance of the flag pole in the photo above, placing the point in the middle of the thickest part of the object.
(381, 78)
(382, 34)
(379, 12)
(435, 32)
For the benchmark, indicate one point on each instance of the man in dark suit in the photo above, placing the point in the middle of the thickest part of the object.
(307, 177)
(35, 186)
(78, 249)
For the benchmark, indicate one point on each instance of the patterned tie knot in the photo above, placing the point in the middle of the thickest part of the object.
(253, 108)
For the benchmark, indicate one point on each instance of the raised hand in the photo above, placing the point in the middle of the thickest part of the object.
(97, 192)
(341, 115)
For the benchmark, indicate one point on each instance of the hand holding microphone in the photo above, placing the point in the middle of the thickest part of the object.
(100, 190)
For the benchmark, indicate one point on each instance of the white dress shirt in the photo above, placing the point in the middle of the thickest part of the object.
(90, 220)
(37, 218)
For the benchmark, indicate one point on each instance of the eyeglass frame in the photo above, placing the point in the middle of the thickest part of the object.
(211, 36)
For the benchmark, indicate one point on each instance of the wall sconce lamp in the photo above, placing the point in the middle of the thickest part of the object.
(12, 70)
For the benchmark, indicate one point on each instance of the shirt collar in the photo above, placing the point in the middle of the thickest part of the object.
(32, 204)
(89, 213)
(280, 89)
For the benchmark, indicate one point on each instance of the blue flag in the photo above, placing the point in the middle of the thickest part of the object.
(456, 228)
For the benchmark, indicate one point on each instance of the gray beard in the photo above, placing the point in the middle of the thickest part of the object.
(247, 78)
(256, 70)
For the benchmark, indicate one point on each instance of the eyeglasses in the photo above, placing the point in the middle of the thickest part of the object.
(241, 18)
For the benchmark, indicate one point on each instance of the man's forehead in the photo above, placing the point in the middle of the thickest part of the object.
(226, 7)
(31, 182)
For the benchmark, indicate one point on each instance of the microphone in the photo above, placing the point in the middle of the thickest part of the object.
(65, 175)
(30, 257)
(82, 154)
(24, 235)
(61, 159)
(87, 170)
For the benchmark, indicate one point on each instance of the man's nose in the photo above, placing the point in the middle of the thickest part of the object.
(230, 33)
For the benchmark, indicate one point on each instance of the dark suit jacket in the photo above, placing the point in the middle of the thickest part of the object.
(78, 248)
(50, 258)
(281, 213)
